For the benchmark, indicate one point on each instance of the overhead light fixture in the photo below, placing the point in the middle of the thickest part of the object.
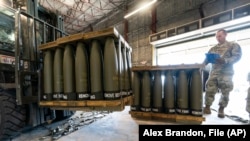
(139, 9)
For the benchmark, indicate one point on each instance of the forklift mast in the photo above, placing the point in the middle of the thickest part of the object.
(30, 32)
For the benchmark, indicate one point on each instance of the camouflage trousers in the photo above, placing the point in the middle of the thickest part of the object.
(216, 82)
(248, 102)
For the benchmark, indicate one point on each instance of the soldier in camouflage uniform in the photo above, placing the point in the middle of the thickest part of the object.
(248, 97)
(221, 73)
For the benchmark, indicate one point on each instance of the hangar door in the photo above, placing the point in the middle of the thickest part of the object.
(191, 52)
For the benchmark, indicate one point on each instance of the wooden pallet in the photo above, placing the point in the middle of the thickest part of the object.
(85, 37)
(89, 105)
(167, 67)
(186, 119)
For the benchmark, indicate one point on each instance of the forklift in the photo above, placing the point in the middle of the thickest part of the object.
(25, 25)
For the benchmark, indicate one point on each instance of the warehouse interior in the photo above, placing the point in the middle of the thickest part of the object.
(166, 33)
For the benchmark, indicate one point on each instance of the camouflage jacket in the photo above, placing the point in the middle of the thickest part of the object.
(231, 52)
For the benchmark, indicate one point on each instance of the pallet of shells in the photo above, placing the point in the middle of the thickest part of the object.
(86, 69)
(171, 93)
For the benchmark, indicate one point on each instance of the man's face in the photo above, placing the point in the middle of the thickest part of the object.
(221, 37)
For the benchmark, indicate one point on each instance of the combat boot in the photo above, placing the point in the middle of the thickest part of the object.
(207, 110)
(221, 112)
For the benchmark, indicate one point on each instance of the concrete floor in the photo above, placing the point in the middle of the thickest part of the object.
(120, 126)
